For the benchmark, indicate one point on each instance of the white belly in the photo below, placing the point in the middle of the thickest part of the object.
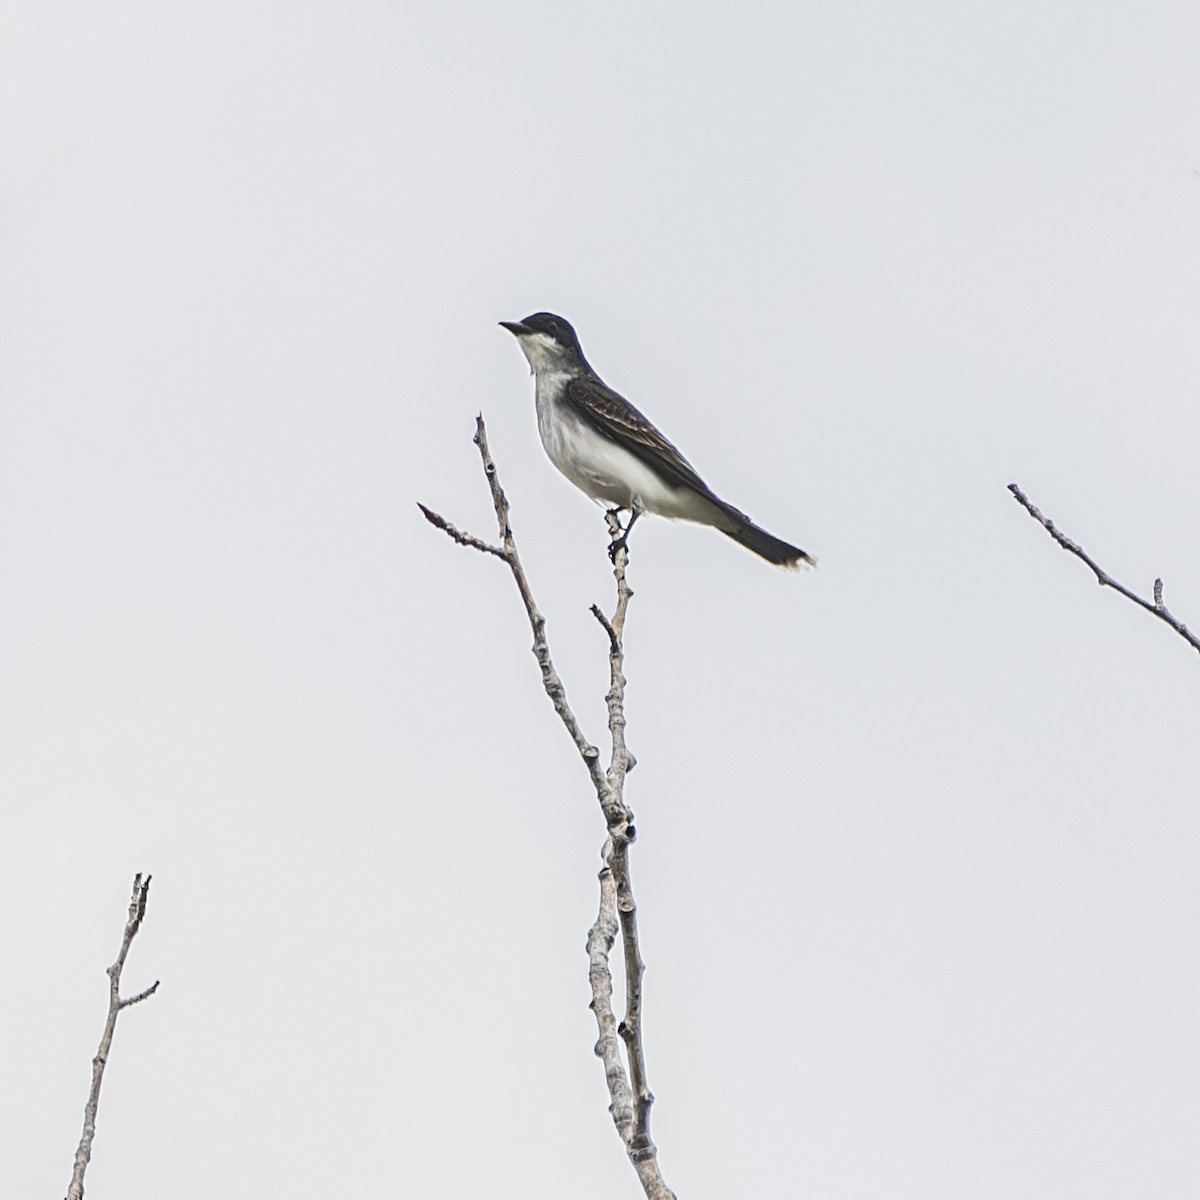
(609, 473)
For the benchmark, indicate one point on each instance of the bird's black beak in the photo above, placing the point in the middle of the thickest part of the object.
(516, 328)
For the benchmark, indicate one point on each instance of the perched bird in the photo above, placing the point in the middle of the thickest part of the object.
(608, 450)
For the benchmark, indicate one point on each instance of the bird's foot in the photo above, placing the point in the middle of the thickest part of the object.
(621, 543)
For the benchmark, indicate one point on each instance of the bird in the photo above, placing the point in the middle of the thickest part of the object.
(614, 454)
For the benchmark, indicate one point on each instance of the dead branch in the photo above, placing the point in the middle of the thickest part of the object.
(1103, 578)
(137, 911)
(629, 1093)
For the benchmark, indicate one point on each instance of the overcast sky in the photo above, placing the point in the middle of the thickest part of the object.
(919, 831)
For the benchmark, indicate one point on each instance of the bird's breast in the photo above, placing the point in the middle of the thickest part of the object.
(601, 467)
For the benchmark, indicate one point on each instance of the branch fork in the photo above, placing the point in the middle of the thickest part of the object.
(137, 913)
(629, 1094)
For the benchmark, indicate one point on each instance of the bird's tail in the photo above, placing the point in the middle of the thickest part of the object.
(773, 549)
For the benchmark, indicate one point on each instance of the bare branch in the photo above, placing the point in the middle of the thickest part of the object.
(1103, 578)
(137, 911)
(541, 648)
(144, 994)
(608, 1048)
(605, 624)
(617, 855)
(628, 1092)
(463, 539)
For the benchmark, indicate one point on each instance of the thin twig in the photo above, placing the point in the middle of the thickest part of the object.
(463, 539)
(541, 648)
(137, 911)
(605, 624)
(1103, 578)
(629, 1094)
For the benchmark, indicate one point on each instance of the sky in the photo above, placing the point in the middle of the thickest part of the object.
(918, 831)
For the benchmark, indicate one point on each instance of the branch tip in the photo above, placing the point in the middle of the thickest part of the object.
(606, 625)
(458, 535)
(1103, 578)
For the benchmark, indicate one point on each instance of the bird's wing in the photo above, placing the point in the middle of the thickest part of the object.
(613, 416)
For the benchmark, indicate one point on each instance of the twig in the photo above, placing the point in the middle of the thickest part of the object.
(463, 539)
(541, 648)
(1103, 578)
(137, 911)
(629, 1093)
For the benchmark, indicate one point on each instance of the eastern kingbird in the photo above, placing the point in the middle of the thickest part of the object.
(608, 450)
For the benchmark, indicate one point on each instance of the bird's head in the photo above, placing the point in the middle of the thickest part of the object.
(548, 342)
